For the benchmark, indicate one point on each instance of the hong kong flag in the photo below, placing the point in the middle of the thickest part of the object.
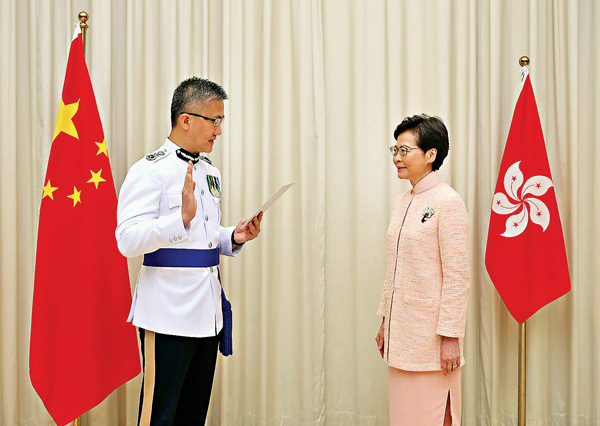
(525, 255)
(81, 348)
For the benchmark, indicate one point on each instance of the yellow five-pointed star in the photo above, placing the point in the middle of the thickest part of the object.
(64, 121)
(48, 190)
(101, 148)
(96, 178)
(76, 196)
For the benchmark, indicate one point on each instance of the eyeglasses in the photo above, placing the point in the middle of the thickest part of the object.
(215, 121)
(403, 150)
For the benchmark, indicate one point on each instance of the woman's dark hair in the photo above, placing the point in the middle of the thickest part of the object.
(430, 132)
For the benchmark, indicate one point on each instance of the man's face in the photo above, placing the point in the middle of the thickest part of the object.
(203, 132)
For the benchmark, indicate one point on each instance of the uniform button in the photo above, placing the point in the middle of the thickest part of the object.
(194, 167)
(180, 237)
(211, 269)
(202, 191)
(170, 240)
(206, 217)
(209, 245)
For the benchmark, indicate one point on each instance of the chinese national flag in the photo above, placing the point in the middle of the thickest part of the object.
(525, 254)
(82, 348)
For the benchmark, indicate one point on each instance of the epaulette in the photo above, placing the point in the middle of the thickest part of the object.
(157, 155)
(203, 158)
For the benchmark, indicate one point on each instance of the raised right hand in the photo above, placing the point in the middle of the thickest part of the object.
(189, 204)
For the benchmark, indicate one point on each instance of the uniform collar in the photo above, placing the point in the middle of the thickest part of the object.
(428, 182)
(184, 155)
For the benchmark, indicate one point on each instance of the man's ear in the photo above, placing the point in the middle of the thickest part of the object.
(184, 121)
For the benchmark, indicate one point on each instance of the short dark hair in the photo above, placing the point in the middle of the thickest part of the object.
(194, 90)
(430, 132)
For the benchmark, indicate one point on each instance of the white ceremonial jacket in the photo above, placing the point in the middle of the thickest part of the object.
(175, 301)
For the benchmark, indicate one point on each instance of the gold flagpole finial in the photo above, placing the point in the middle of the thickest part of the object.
(83, 18)
(524, 62)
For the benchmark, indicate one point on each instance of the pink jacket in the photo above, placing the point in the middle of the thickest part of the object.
(427, 275)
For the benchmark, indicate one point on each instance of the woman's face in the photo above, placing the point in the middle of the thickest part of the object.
(416, 164)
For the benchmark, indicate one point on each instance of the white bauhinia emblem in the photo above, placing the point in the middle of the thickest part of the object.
(524, 206)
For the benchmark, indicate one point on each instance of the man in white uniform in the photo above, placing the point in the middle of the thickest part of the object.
(169, 211)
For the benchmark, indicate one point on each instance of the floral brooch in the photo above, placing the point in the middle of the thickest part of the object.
(427, 213)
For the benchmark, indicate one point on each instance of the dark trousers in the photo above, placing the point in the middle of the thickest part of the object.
(181, 380)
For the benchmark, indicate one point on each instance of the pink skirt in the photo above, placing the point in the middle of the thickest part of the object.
(418, 398)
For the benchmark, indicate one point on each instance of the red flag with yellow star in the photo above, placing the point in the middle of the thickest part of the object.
(82, 348)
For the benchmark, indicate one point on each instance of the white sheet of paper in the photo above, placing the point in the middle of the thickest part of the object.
(269, 202)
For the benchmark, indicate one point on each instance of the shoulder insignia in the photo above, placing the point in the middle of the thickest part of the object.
(203, 158)
(157, 154)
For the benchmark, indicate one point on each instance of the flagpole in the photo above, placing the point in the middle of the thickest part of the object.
(83, 18)
(522, 416)
(522, 407)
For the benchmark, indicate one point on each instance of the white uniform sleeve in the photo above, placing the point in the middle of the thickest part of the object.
(139, 229)
(225, 241)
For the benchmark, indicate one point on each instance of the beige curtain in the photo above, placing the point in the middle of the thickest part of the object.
(316, 88)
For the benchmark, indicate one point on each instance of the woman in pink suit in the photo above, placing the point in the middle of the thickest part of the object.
(424, 301)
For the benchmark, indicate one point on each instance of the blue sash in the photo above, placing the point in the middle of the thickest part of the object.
(197, 258)
(182, 258)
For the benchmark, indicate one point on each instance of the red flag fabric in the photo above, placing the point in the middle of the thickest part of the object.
(81, 348)
(525, 255)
